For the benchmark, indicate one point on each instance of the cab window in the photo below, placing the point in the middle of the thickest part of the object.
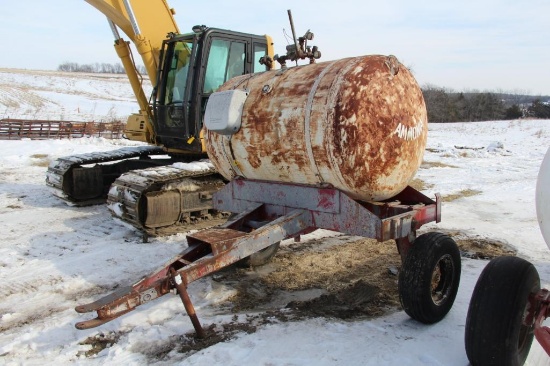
(225, 61)
(176, 80)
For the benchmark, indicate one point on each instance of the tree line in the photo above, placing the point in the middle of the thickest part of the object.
(443, 105)
(97, 68)
(446, 105)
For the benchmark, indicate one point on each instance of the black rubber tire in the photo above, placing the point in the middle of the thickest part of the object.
(494, 332)
(429, 277)
(260, 258)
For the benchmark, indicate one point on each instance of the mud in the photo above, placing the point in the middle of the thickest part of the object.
(420, 185)
(478, 247)
(189, 343)
(435, 164)
(99, 342)
(340, 277)
(461, 194)
(41, 160)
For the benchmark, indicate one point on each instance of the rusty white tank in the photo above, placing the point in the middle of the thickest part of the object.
(358, 124)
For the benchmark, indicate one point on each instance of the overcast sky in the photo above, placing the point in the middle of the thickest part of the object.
(464, 45)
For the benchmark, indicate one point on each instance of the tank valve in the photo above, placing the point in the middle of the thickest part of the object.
(299, 50)
(267, 61)
(393, 64)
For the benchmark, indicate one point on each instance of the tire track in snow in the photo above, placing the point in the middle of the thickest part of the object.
(27, 286)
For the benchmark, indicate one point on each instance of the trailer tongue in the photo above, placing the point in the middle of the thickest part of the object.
(268, 212)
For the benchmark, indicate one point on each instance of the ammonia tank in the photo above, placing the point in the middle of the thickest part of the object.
(358, 124)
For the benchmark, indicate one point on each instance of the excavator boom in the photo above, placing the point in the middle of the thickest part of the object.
(145, 22)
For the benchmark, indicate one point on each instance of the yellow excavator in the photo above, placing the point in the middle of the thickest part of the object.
(154, 187)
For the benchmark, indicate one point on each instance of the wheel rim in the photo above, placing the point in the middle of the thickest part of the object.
(442, 279)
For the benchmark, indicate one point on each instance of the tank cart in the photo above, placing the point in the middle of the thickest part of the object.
(330, 146)
(267, 212)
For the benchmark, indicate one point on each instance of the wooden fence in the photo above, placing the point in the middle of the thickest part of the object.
(15, 129)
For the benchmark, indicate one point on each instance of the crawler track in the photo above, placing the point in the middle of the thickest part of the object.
(82, 185)
(159, 196)
(165, 200)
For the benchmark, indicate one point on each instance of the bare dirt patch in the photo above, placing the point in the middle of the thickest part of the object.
(478, 247)
(461, 194)
(420, 185)
(189, 343)
(435, 164)
(99, 342)
(482, 248)
(41, 160)
(346, 278)
(341, 277)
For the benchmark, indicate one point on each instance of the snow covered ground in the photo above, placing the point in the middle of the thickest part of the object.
(52, 95)
(54, 257)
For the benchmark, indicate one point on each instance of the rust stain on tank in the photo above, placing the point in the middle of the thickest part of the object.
(380, 149)
(273, 142)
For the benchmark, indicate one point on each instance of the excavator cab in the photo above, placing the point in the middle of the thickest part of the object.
(140, 183)
(192, 67)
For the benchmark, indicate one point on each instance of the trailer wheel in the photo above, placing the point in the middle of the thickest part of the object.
(495, 333)
(260, 258)
(429, 277)
(257, 259)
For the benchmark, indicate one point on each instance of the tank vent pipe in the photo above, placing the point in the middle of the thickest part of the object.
(297, 49)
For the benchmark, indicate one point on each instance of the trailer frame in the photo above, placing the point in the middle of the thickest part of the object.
(264, 213)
